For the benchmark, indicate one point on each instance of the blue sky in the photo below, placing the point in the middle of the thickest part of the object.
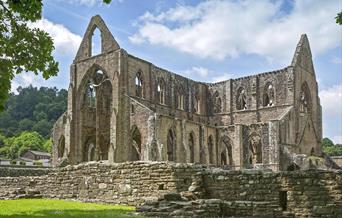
(208, 40)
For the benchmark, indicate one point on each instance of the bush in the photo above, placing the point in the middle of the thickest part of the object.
(23, 163)
(37, 163)
(13, 162)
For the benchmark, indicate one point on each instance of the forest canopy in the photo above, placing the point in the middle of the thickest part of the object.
(28, 118)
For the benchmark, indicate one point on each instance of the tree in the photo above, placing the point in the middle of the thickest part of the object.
(16, 146)
(23, 48)
(326, 142)
(339, 18)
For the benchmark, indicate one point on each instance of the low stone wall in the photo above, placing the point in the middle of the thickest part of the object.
(170, 189)
(15, 171)
(130, 183)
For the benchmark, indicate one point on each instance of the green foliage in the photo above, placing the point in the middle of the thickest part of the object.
(326, 142)
(23, 48)
(33, 109)
(339, 18)
(61, 209)
(330, 148)
(48, 145)
(13, 162)
(22, 163)
(25, 141)
(37, 163)
(2, 140)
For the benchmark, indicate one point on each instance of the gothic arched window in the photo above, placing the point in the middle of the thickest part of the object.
(139, 92)
(171, 145)
(305, 98)
(161, 91)
(255, 149)
(196, 104)
(268, 95)
(180, 98)
(192, 147)
(211, 149)
(217, 102)
(136, 144)
(241, 99)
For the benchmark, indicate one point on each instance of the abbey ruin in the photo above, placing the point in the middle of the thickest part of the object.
(122, 108)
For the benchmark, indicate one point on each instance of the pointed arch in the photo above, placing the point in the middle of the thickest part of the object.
(191, 144)
(95, 42)
(139, 84)
(161, 91)
(268, 95)
(135, 144)
(241, 99)
(217, 102)
(211, 149)
(84, 50)
(226, 151)
(305, 98)
(61, 147)
(255, 149)
(171, 145)
(180, 101)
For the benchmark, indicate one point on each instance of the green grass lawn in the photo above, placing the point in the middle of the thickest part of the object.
(58, 208)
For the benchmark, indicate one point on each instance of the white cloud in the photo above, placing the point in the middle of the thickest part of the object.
(25, 79)
(331, 101)
(65, 42)
(223, 29)
(197, 71)
(221, 77)
(337, 139)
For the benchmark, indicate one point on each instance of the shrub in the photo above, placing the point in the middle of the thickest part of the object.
(37, 163)
(13, 162)
(23, 163)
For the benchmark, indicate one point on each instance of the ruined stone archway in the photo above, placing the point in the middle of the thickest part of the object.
(61, 147)
(226, 151)
(95, 94)
(136, 144)
(171, 145)
(191, 144)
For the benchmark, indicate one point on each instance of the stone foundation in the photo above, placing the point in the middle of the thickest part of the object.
(170, 189)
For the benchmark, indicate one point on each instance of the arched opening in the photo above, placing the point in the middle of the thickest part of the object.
(268, 96)
(217, 102)
(255, 149)
(61, 147)
(136, 144)
(305, 99)
(241, 99)
(196, 104)
(139, 89)
(180, 98)
(227, 151)
(91, 152)
(171, 145)
(96, 42)
(161, 91)
(223, 158)
(312, 152)
(95, 113)
(191, 144)
(211, 149)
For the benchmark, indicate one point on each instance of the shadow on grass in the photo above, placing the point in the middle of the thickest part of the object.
(74, 213)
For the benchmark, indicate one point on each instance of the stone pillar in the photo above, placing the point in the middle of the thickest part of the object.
(273, 128)
(237, 149)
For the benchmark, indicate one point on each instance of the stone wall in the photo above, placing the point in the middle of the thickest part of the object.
(170, 189)
(10, 171)
(126, 183)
